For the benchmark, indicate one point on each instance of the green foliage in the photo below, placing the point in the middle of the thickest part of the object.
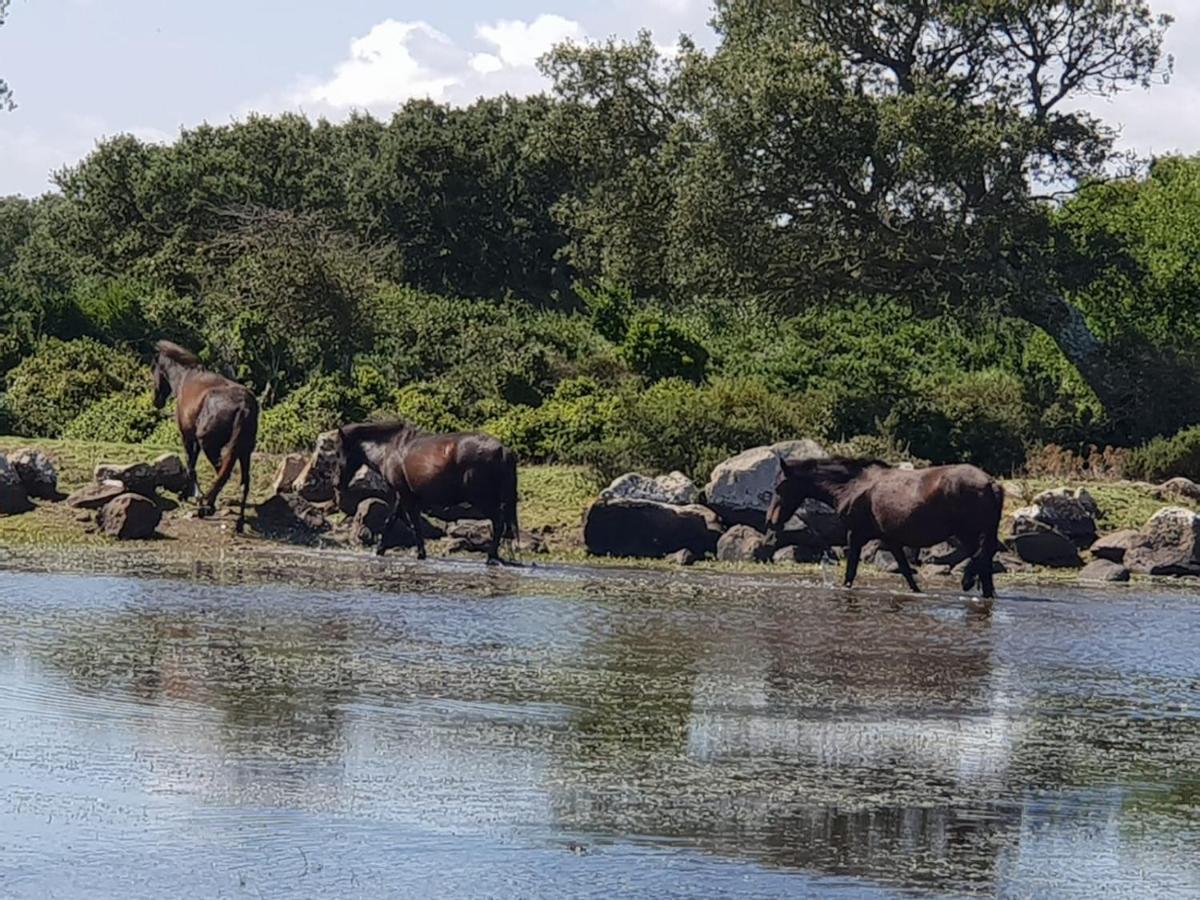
(119, 418)
(49, 389)
(656, 349)
(980, 417)
(579, 414)
(427, 405)
(1167, 457)
(321, 404)
(675, 424)
(609, 308)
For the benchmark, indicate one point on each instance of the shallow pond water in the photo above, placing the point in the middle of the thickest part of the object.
(591, 735)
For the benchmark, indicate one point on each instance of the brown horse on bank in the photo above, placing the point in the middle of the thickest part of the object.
(446, 474)
(902, 508)
(214, 414)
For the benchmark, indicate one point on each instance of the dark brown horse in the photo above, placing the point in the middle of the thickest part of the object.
(214, 414)
(445, 474)
(902, 508)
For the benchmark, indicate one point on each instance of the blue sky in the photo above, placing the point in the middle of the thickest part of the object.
(83, 69)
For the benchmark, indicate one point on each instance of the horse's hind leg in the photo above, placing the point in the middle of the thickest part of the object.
(192, 449)
(905, 569)
(498, 520)
(853, 552)
(245, 467)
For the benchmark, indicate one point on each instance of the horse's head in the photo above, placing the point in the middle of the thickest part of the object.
(793, 485)
(162, 383)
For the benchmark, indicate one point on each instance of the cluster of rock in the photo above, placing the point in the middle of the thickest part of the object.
(655, 518)
(125, 499)
(305, 495)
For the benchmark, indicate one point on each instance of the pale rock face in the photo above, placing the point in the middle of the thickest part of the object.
(1070, 513)
(740, 489)
(13, 497)
(37, 473)
(317, 481)
(1170, 544)
(675, 489)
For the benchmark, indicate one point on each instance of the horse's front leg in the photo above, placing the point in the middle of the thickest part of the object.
(387, 527)
(853, 552)
(407, 503)
(905, 569)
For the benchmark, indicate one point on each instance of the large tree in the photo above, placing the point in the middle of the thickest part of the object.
(6, 101)
(837, 147)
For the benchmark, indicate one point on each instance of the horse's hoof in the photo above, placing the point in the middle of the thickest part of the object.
(381, 551)
(240, 528)
(493, 561)
(420, 554)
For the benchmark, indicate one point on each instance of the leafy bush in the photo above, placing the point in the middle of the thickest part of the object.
(578, 414)
(656, 348)
(319, 405)
(51, 388)
(980, 417)
(674, 424)
(1164, 458)
(119, 418)
(427, 406)
(609, 308)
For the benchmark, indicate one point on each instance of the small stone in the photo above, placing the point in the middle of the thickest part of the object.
(796, 555)
(684, 557)
(1104, 571)
(170, 474)
(138, 478)
(741, 543)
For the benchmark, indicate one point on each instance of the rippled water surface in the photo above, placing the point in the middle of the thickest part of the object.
(591, 735)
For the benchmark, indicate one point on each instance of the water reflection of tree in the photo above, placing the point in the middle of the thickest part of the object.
(279, 685)
(626, 766)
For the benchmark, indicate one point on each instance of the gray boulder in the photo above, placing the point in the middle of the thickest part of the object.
(1116, 546)
(317, 481)
(170, 474)
(1104, 572)
(13, 497)
(370, 519)
(138, 478)
(96, 496)
(873, 553)
(1180, 487)
(740, 489)
(647, 530)
(1071, 513)
(741, 543)
(948, 553)
(286, 474)
(290, 515)
(365, 484)
(130, 517)
(675, 489)
(1046, 548)
(1169, 545)
(37, 473)
(796, 555)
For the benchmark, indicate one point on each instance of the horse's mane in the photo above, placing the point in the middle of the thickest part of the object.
(175, 353)
(841, 468)
(379, 431)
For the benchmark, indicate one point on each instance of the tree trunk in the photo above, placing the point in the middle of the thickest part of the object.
(1142, 389)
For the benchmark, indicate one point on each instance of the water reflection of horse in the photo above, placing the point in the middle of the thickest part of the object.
(214, 414)
(903, 508)
(436, 473)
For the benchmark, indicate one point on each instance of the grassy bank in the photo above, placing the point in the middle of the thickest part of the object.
(553, 501)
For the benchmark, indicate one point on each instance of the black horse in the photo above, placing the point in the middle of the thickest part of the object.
(437, 473)
(902, 508)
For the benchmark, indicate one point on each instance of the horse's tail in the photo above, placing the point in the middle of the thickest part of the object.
(246, 413)
(508, 499)
(980, 564)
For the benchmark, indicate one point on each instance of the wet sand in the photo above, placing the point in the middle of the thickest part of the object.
(330, 725)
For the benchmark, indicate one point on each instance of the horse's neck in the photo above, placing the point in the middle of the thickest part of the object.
(837, 493)
(177, 374)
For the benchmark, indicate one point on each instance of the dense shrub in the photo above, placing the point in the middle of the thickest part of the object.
(1163, 458)
(320, 404)
(579, 414)
(674, 424)
(979, 417)
(427, 406)
(119, 418)
(49, 389)
(656, 348)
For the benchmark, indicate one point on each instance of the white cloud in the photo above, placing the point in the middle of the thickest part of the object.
(520, 44)
(394, 62)
(486, 63)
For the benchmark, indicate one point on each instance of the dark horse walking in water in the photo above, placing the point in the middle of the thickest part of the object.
(437, 473)
(214, 414)
(902, 508)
